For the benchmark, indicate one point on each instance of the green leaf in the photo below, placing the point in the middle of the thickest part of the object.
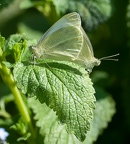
(7, 64)
(5, 3)
(52, 9)
(31, 34)
(60, 6)
(17, 47)
(54, 133)
(93, 12)
(25, 4)
(14, 46)
(21, 127)
(24, 137)
(66, 90)
(50, 129)
(105, 109)
(4, 100)
(2, 41)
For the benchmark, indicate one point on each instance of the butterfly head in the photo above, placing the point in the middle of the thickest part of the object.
(96, 62)
(35, 51)
(91, 64)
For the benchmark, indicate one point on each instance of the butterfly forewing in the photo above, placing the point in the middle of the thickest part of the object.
(63, 44)
(63, 41)
(72, 19)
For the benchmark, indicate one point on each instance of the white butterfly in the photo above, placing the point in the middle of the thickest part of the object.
(67, 41)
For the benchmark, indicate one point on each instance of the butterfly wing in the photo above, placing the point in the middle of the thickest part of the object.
(63, 41)
(87, 50)
(72, 19)
(86, 56)
(67, 41)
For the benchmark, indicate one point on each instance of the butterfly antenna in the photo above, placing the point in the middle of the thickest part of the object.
(109, 57)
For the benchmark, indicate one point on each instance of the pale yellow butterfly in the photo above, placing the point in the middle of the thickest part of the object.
(67, 41)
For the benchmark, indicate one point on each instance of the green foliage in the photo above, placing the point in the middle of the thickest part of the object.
(3, 102)
(64, 88)
(128, 19)
(49, 125)
(15, 46)
(5, 3)
(61, 86)
(69, 94)
(54, 102)
(92, 12)
(56, 133)
(105, 109)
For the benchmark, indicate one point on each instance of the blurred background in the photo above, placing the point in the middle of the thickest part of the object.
(107, 24)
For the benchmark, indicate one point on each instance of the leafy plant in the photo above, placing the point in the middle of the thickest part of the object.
(51, 101)
(61, 86)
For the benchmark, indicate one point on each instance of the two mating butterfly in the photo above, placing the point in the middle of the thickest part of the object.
(67, 41)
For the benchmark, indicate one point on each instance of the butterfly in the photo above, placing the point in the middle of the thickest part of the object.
(66, 40)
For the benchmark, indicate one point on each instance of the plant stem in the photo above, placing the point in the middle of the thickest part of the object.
(8, 79)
